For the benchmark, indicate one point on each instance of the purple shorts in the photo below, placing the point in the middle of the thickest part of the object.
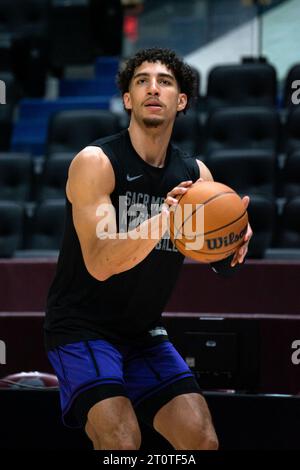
(91, 371)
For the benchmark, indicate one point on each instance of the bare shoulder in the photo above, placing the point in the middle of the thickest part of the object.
(204, 171)
(90, 171)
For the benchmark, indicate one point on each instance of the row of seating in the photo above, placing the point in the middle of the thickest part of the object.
(33, 113)
(48, 128)
(245, 84)
(40, 227)
(249, 84)
(252, 172)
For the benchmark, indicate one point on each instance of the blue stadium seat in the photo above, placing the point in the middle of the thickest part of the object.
(106, 86)
(106, 66)
(30, 131)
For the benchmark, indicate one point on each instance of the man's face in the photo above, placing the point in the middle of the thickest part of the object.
(154, 97)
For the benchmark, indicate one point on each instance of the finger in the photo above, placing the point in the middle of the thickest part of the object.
(234, 260)
(185, 183)
(246, 200)
(171, 201)
(242, 252)
(239, 254)
(249, 234)
(177, 191)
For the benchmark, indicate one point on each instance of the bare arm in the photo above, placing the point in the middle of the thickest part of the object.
(91, 181)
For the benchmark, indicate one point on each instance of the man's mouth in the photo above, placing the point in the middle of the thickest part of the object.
(153, 104)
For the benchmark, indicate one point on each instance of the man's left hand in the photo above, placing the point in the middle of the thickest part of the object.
(242, 250)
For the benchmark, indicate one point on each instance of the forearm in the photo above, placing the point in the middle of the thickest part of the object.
(122, 251)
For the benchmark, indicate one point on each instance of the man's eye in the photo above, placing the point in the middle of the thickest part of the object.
(166, 82)
(141, 80)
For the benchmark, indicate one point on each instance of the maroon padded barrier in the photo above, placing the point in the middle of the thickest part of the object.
(259, 287)
(22, 334)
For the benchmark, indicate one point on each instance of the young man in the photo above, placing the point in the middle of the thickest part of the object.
(104, 334)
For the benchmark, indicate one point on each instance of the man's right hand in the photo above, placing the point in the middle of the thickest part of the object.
(180, 189)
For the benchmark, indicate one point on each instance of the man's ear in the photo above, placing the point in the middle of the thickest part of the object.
(127, 100)
(182, 101)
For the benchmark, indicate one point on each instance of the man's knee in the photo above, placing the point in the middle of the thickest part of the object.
(209, 442)
(117, 441)
(198, 437)
(204, 439)
(114, 439)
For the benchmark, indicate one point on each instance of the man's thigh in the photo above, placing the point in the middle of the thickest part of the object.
(154, 375)
(186, 422)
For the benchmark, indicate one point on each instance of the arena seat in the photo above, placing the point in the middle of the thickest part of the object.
(292, 131)
(288, 232)
(247, 171)
(30, 131)
(290, 184)
(54, 178)
(248, 84)
(15, 176)
(292, 75)
(242, 128)
(11, 228)
(262, 212)
(187, 132)
(47, 226)
(75, 129)
(88, 87)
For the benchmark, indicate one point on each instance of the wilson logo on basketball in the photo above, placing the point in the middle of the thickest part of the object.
(231, 239)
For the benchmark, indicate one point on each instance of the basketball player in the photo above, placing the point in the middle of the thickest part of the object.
(104, 334)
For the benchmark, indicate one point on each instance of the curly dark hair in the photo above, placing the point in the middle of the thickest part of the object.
(184, 74)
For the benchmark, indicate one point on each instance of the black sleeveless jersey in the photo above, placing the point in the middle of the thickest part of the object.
(127, 305)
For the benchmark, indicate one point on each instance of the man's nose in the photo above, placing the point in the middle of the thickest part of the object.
(153, 87)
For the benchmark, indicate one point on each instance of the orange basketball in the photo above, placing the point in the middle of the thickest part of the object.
(209, 223)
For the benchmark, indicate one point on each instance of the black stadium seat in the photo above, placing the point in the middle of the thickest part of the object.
(252, 84)
(292, 130)
(11, 227)
(292, 75)
(290, 184)
(187, 132)
(10, 94)
(242, 128)
(262, 212)
(74, 130)
(25, 25)
(15, 176)
(54, 178)
(288, 235)
(47, 226)
(248, 172)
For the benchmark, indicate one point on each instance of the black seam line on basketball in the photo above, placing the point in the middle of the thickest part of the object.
(215, 230)
(219, 228)
(179, 199)
(203, 204)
